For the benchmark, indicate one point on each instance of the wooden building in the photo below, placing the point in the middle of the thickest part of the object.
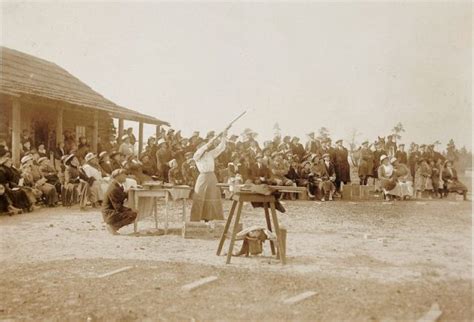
(43, 98)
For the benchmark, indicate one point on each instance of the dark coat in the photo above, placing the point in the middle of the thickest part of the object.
(366, 165)
(113, 210)
(313, 146)
(257, 172)
(106, 168)
(330, 170)
(342, 166)
(377, 155)
(298, 149)
(402, 157)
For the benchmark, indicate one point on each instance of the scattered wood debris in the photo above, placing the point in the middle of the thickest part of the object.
(298, 298)
(120, 270)
(432, 315)
(203, 281)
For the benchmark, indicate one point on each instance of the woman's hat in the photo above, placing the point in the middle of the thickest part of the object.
(42, 159)
(68, 159)
(393, 159)
(26, 158)
(114, 153)
(172, 162)
(117, 172)
(89, 156)
(383, 157)
(326, 155)
(340, 140)
(161, 141)
(124, 137)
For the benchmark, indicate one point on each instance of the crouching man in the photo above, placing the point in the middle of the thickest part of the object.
(115, 214)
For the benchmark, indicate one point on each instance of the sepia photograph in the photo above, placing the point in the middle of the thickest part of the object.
(239, 160)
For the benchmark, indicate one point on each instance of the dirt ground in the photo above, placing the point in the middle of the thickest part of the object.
(367, 261)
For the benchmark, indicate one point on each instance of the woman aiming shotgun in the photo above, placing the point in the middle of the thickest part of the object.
(207, 203)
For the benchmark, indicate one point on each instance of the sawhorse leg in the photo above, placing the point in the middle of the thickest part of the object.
(281, 252)
(226, 228)
(234, 232)
(135, 206)
(269, 225)
(166, 212)
(183, 215)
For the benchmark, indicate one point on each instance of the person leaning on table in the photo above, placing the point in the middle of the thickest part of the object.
(115, 214)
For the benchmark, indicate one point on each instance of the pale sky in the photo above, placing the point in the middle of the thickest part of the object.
(345, 66)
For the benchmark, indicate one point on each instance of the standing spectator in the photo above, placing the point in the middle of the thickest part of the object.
(343, 168)
(126, 148)
(451, 181)
(163, 156)
(82, 149)
(366, 164)
(131, 136)
(401, 155)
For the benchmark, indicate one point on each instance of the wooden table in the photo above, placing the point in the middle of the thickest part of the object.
(268, 202)
(155, 192)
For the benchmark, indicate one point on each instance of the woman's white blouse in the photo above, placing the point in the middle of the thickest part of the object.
(205, 160)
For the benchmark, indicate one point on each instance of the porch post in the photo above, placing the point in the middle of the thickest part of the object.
(157, 131)
(95, 132)
(59, 125)
(140, 138)
(120, 131)
(16, 131)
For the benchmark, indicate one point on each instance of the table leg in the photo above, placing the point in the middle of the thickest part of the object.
(226, 228)
(166, 212)
(234, 232)
(269, 225)
(155, 211)
(135, 205)
(183, 216)
(280, 249)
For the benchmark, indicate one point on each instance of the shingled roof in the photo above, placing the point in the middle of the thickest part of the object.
(22, 74)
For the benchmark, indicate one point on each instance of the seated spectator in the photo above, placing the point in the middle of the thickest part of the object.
(436, 169)
(328, 178)
(174, 174)
(33, 178)
(260, 174)
(189, 170)
(279, 169)
(423, 181)
(9, 178)
(403, 179)
(6, 205)
(451, 181)
(105, 164)
(42, 151)
(49, 173)
(73, 175)
(135, 170)
(148, 166)
(116, 159)
(97, 184)
(307, 179)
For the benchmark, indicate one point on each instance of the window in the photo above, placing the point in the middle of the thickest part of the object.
(80, 131)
